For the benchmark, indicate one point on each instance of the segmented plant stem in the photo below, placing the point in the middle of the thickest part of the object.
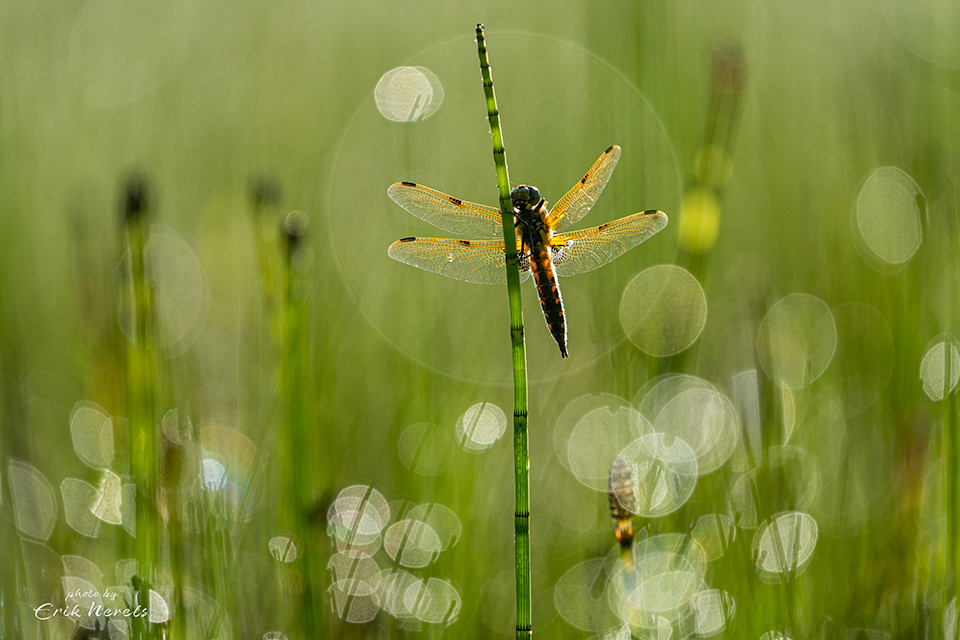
(520, 447)
(141, 400)
(951, 438)
(293, 387)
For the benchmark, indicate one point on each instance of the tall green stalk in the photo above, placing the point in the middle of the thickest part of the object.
(141, 400)
(950, 407)
(287, 305)
(520, 448)
(298, 464)
(171, 496)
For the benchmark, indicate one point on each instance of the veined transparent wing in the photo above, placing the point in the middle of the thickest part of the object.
(446, 212)
(479, 261)
(588, 249)
(571, 208)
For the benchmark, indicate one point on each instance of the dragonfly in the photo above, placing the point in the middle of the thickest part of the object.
(542, 250)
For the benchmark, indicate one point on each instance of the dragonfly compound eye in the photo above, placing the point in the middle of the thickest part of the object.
(525, 197)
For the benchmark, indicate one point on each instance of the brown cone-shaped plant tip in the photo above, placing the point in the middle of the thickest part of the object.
(265, 191)
(729, 69)
(295, 227)
(136, 197)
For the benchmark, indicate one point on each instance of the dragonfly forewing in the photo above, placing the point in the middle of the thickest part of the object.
(478, 261)
(577, 202)
(447, 212)
(588, 249)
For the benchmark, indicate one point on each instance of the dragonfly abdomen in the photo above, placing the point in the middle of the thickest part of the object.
(549, 291)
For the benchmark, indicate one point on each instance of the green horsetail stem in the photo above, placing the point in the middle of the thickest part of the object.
(265, 192)
(288, 311)
(950, 407)
(520, 448)
(298, 464)
(172, 460)
(141, 397)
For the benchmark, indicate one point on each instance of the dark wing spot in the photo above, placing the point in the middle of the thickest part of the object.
(456, 201)
(650, 212)
(603, 226)
(409, 184)
(610, 148)
(407, 239)
(463, 243)
(583, 180)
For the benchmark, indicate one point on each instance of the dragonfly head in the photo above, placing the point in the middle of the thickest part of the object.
(526, 197)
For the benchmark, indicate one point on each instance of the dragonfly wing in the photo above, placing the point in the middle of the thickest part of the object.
(577, 202)
(479, 261)
(446, 212)
(588, 249)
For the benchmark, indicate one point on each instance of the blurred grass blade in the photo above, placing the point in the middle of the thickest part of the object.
(141, 395)
(298, 465)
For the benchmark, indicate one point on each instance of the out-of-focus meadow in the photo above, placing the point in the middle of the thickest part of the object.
(327, 432)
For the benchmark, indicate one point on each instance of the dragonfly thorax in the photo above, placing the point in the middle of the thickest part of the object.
(529, 212)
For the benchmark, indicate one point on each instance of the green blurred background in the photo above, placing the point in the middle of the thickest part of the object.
(203, 98)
